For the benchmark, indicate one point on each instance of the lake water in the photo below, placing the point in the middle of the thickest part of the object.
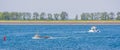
(64, 37)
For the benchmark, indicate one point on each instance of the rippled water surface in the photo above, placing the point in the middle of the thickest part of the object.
(63, 37)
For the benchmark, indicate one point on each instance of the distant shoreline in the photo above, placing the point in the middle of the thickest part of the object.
(59, 22)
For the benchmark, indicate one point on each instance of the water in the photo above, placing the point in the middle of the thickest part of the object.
(64, 37)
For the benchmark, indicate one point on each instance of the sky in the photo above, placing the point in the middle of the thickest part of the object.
(73, 7)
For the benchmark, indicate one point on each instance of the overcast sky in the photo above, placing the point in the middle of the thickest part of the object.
(56, 6)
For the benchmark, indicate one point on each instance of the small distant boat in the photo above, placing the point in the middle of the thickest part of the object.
(93, 29)
(36, 37)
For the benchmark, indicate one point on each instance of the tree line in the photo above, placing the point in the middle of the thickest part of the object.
(100, 16)
(58, 16)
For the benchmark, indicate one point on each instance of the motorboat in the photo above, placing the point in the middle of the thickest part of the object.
(93, 29)
(36, 36)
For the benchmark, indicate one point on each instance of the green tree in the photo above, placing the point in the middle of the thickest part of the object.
(111, 16)
(42, 16)
(88, 16)
(1, 16)
(28, 16)
(76, 17)
(104, 16)
(92, 16)
(97, 16)
(64, 15)
(36, 16)
(83, 16)
(15, 15)
(20, 16)
(6, 16)
(50, 16)
(25, 15)
(118, 16)
(56, 16)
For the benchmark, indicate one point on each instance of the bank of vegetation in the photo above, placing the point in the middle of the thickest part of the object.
(59, 16)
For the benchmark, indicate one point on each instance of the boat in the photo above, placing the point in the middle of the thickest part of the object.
(93, 29)
(36, 36)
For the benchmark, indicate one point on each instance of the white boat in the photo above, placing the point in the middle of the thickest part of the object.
(36, 37)
(93, 29)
